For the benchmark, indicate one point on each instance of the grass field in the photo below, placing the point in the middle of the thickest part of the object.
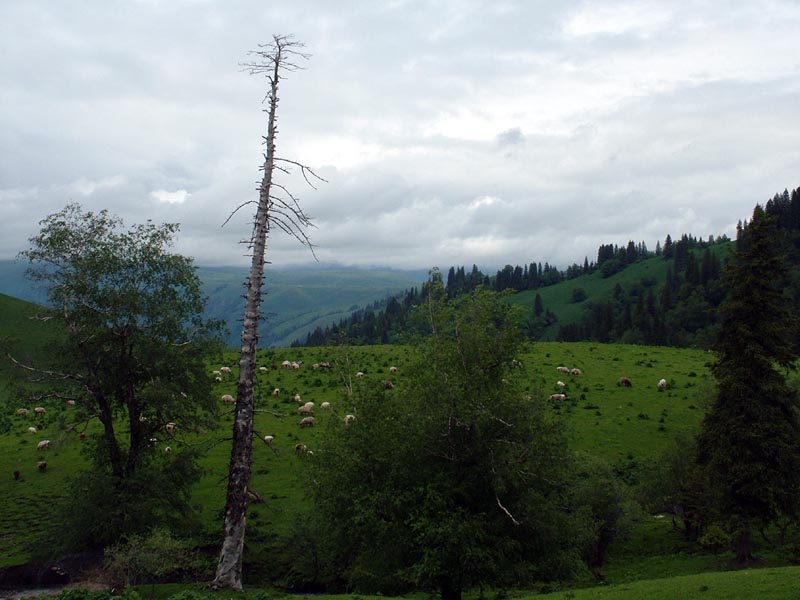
(624, 426)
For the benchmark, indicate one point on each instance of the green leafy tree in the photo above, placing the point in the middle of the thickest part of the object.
(749, 444)
(132, 354)
(457, 480)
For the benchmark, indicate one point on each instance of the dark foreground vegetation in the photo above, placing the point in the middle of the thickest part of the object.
(465, 462)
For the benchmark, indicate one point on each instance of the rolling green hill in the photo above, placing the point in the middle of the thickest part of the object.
(558, 298)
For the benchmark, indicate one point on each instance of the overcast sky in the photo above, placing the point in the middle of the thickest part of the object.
(450, 132)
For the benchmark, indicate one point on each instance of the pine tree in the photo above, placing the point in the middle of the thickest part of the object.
(749, 445)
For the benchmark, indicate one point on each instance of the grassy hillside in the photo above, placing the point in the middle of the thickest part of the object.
(558, 298)
(625, 426)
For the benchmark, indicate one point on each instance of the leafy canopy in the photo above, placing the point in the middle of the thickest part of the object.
(454, 480)
(135, 346)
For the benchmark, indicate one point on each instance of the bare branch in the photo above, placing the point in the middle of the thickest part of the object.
(237, 209)
(508, 514)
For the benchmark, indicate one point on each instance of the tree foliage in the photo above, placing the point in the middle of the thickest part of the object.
(134, 345)
(750, 439)
(455, 482)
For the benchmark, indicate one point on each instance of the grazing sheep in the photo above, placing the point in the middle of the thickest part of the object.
(42, 466)
(563, 369)
(170, 427)
(167, 450)
(576, 372)
(39, 410)
(268, 439)
(325, 405)
(307, 421)
(217, 379)
(315, 366)
(561, 384)
(662, 385)
(228, 399)
(300, 448)
(32, 430)
(286, 364)
(297, 398)
(43, 445)
(558, 397)
(625, 382)
(306, 410)
(295, 366)
(22, 411)
(309, 403)
(263, 369)
(276, 392)
(359, 375)
(70, 402)
(349, 419)
(226, 370)
(216, 373)
(392, 369)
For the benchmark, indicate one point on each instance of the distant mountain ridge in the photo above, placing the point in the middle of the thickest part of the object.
(297, 300)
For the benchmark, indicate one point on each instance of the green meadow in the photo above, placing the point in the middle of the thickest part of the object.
(626, 426)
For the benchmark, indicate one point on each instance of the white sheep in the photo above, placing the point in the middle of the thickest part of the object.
(349, 419)
(558, 397)
(295, 365)
(297, 398)
(43, 445)
(563, 369)
(325, 405)
(228, 399)
(309, 404)
(70, 402)
(662, 385)
(39, 410)
(276, 392)
(576, 372)
(392, 369)
(268, 439)
(31, 430)
(171, 427)
(286, 364)
(226, 370)
(307, 422)
(360, 375)
(22, 411)
(561, 384)
(167, 450)
(306, 410)
(263, 369)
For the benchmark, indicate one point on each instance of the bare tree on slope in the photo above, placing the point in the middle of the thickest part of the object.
(275, 209)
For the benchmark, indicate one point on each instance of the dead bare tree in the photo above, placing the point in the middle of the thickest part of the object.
(283, 211)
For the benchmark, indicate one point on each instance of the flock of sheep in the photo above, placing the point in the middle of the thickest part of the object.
(305, 409)
(575, 372)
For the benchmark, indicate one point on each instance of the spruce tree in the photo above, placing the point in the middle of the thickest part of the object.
(749, 444)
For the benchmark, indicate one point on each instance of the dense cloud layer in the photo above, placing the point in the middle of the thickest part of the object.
(449, 132)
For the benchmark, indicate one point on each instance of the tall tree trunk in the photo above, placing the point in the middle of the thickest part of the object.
(744, 548)
(229, 567)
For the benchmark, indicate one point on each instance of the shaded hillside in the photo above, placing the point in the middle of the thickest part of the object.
(297, 300)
